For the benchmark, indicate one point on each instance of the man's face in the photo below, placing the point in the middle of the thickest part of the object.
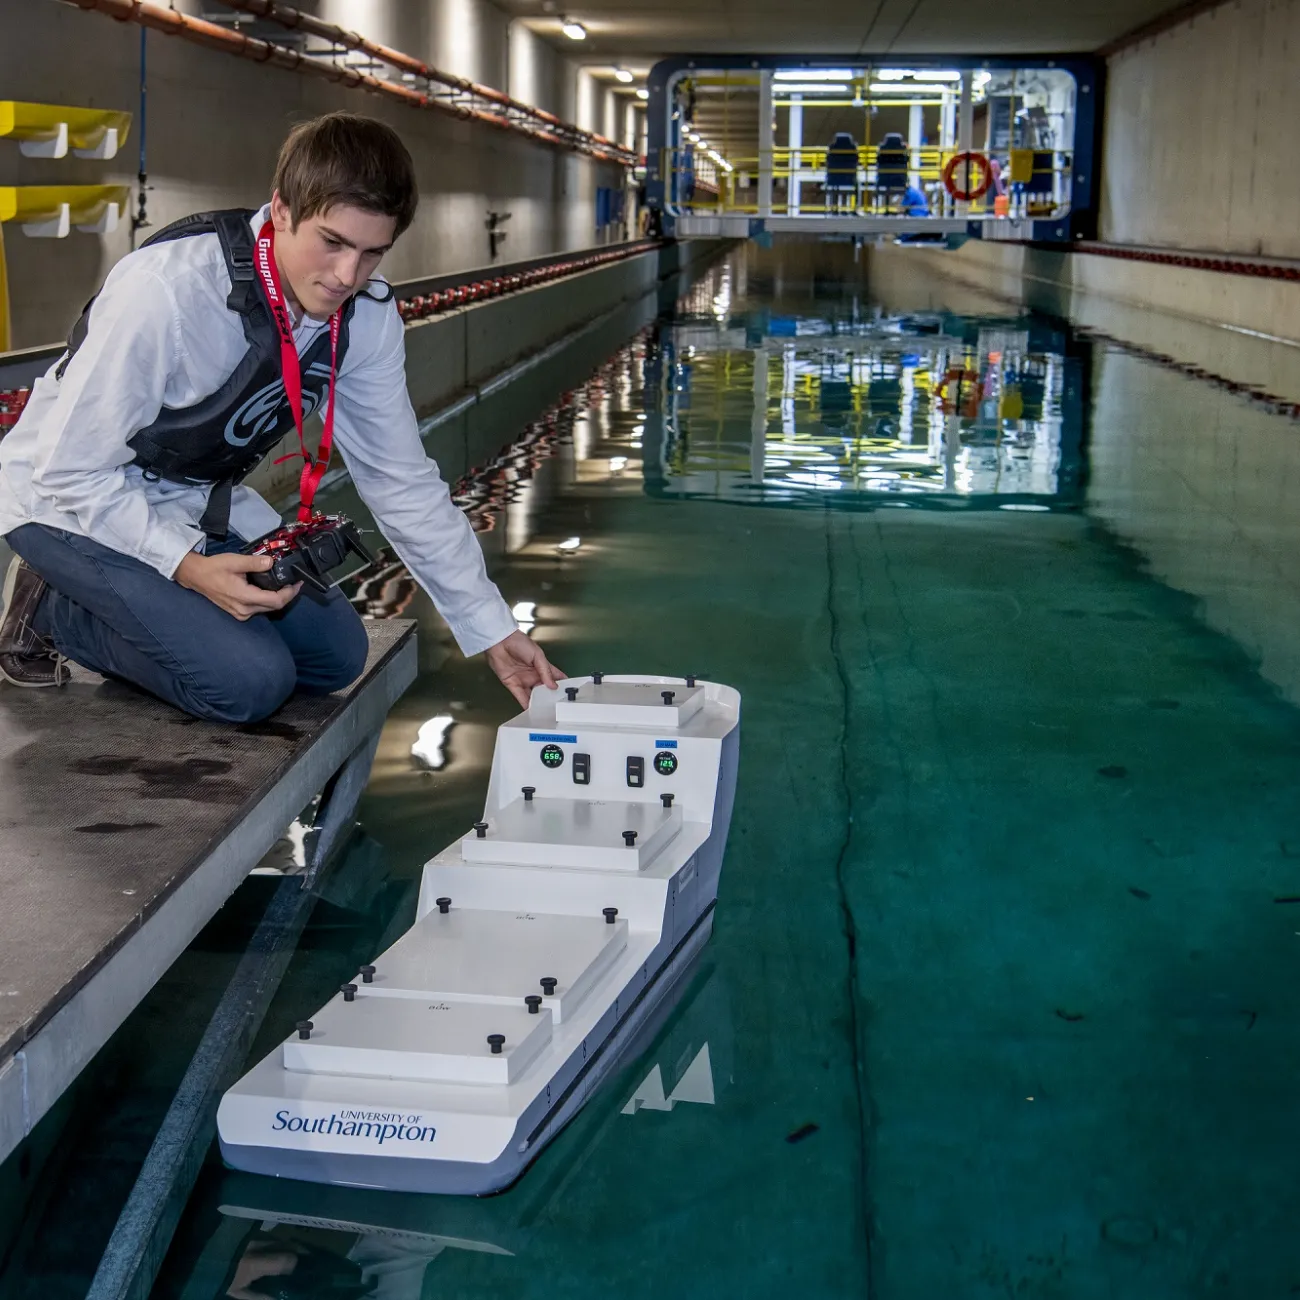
(329, 256)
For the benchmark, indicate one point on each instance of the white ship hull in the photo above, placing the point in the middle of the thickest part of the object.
(552, 901)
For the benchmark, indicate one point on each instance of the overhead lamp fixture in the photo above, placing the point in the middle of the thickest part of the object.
(569, 545)
(623, 75)
(816, 87)
(909, 88)
(813, 74)
(643, 93)
(574, 30)
(720, 160)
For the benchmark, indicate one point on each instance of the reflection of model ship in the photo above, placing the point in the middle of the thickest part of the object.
(544, 939)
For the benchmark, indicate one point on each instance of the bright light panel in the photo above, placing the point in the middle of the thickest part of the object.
(574, 31)
(929, 74)
(643, 93)
(813, 74)
(569, 544)
(815, 87)
(909, 88)
(623, 75)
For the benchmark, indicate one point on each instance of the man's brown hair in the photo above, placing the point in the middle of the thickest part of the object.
(346, 158)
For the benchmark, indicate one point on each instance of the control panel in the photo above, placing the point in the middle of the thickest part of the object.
(654, 751)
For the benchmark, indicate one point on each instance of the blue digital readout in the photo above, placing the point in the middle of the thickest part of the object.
(553, 738)
(665, 744)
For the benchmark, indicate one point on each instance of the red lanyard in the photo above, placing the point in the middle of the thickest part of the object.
(313, 469)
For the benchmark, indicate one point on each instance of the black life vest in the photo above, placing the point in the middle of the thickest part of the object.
(224, 436)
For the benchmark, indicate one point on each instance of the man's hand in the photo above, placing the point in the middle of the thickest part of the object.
(221, 579)
(520, 664)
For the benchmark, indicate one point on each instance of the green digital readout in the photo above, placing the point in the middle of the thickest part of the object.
(553, 756)
(665, 762)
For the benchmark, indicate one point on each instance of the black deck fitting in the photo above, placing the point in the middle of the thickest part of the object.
(548, 985)
(534, 1003)
(690, 679)
(610, 914)
(349, 992)
(444, 905)
(597, 678)
(480, 829)
(496, 1042)
(367, 974)
(667, 696)
(629, 838)
(571, 692)
(304, 1028)
(529, 791)
(666, 800)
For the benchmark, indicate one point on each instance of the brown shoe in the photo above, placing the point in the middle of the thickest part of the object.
(26, 658)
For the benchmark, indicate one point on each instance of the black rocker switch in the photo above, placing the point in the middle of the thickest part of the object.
(444, 905)
(635, 771)
(367, 974)
(548, 985)
(582, 769)
(534, 1003)
(349, 992)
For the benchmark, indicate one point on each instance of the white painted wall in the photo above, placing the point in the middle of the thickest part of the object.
(216, 123)
(1200, 134)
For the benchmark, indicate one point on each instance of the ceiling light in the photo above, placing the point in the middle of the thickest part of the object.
(623, 75)
(569, 544)
(720, 160)
(908, 88)
(643, 93)
(575, 31)
(813, 74)
(816, 87)
(891, 74)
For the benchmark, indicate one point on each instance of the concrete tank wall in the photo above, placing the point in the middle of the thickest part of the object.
(1199, 134)
(215, 124)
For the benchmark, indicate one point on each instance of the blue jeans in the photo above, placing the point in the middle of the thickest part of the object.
(117, 616)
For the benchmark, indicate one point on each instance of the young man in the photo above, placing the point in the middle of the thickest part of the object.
(119, 486)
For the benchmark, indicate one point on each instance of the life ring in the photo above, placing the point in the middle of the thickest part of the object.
(971, 159)
(965, 398)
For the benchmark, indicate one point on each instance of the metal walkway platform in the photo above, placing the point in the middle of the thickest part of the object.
(124, 825)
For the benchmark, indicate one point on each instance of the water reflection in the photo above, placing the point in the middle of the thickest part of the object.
(848, 404)
(278, 1238)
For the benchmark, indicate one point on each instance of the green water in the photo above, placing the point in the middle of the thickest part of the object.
(1001, 996)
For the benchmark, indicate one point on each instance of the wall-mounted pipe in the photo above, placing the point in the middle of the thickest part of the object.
(295, 20)
(215, 37)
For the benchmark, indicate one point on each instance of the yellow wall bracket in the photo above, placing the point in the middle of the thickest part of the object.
(50, 130)
(51, 211)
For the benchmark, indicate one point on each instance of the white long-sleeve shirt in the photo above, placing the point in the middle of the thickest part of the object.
(161, 335)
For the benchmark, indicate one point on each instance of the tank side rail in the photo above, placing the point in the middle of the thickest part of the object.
(102, 788)
(136, 1250)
